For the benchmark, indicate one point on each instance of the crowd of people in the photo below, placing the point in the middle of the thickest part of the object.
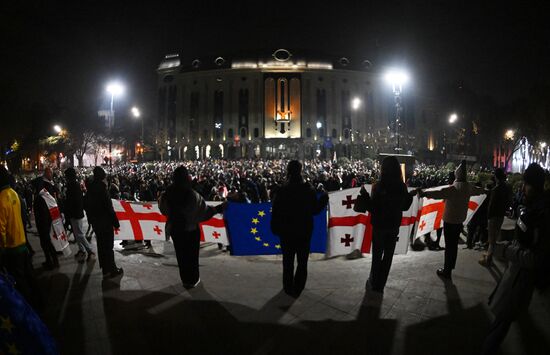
(183, 187)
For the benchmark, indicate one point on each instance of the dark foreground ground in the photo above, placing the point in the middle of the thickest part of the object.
(240, 309)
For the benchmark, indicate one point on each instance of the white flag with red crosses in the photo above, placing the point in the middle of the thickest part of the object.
(58, 235)
(143, 221)
(139, 221)
(213, 230)
(350, 230)
(347, 230)
(430, 212)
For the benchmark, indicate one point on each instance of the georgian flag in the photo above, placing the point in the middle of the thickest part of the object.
(144, 221)
(139, 221)
(350, 230)
(213, 230)
(58, 235)
(430, 212)
(347, 230)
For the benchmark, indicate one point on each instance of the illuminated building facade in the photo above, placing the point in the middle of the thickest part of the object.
(278, 105)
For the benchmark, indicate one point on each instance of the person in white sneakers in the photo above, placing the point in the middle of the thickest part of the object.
(74, 212)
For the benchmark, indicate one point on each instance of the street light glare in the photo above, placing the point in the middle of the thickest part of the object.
(355, 103)
(115, 88)
(453, 118)
(397, 77)
(319, 125)
(57, 128)
(136, 112)
(509, 134)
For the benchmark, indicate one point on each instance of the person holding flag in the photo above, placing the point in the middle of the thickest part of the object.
(43, 219)
(389, 199)
(457, 197)
(102, 216)
(294, 206)
(186, 209)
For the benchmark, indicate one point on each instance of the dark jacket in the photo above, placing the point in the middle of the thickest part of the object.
(294, 206)
(74, 201)
(99, 207)
(186, 209)
(500, 199)
(527, 257)
(386, 204)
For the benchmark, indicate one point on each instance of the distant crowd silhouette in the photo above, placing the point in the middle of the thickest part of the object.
(295, 202)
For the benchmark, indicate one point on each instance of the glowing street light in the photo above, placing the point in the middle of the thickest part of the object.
(355, 103)
(114, 88)
(319, 125)
(397, 78)
(509, 135)
(453, 118)
(57, 128)
(135, 112)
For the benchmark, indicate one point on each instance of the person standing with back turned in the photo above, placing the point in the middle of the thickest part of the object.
(186, 209)
(102, 216)
(457, 197)
(389, 199)
(294, 206)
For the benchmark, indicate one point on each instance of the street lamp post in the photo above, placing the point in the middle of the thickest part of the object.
(137, 114)
(355, 105)
(114, 89)
(397, 78)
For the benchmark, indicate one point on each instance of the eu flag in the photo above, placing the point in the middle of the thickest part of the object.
(21, 330)
(249, 229)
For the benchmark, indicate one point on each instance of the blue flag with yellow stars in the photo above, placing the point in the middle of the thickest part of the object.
(21, 330)
(249, 229)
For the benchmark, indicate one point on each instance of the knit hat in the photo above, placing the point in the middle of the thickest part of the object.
(460, 172)
(99, 173)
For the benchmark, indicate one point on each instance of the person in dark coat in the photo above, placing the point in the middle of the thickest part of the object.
(389, 199)
(527, 257)
(42, 218)
(102, 216)
(500, 199)
(294, 206)
(74, 213)
(186, 209)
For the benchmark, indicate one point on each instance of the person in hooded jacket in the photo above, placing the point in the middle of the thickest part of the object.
(456, 196)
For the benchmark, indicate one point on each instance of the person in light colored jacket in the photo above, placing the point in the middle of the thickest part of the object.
(457, 197)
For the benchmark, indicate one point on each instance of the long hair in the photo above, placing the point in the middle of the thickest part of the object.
(390, 172)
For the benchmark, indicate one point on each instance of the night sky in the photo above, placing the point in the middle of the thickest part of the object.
(65, 52)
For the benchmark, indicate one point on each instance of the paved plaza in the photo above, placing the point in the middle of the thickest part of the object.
(239, 308)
